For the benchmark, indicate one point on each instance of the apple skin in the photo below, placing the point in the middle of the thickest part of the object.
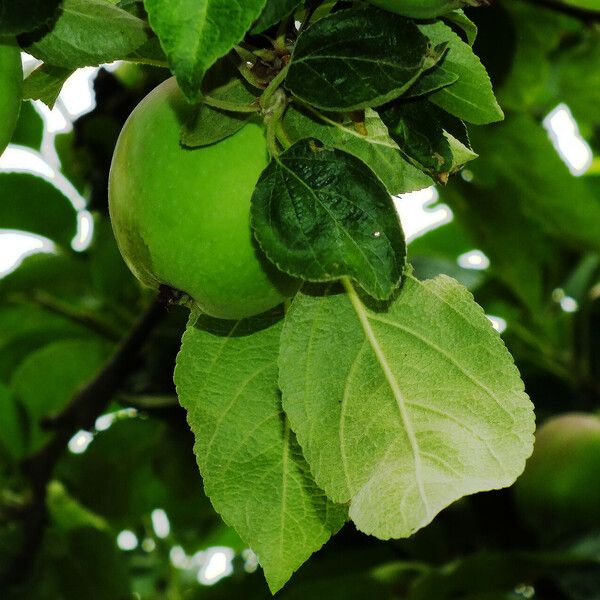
(181, 216)
(559, 491)
(11, 87)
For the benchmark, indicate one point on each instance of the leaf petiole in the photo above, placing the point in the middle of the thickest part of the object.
(273, 86)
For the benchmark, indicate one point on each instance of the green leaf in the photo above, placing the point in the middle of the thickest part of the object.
(402, 412)
(114, 478)
(12, 439)
(30, 127)
(18, 17)
(368, 140)
(25, 328)
(45, 83)
(434, 140)
(579, 79)
(273, 12)
(30, 203)
(471, 98)
(563, 205)
(92, 567)
(208, 124)
(357, 58)
(195, 33)
(88, 33)
(66, 513)
(48, 378)
(252, 467)
(65, 276)
(521, 256)
(458, 18)
(422, 9)
(320, 214)
(583, 4)
(531, 83)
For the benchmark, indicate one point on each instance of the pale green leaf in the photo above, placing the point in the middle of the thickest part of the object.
(195, 33)
(252, 466)
(401, 412)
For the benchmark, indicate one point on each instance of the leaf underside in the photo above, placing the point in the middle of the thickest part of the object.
(252, 466)
(402, 412)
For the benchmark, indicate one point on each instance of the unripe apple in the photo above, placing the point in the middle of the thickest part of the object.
(181, 216)
(559, 491)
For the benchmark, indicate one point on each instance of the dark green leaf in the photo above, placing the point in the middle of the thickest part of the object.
(45, 84)
(471, 98)
(422, 9)
(89, 32)
(433, 80)
(194, 34)
(135, 7)
(110, 277)
(434, 140)
(207, 124)
(273, 12)
(33, 204)
(366, 139)
(320, 214)
(18, 17)
(357, 58)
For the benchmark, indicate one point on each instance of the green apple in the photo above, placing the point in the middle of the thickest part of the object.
(11, 83)
(559, 492)
(181, 216)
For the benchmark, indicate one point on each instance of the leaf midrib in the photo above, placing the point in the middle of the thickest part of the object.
(393, 383)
